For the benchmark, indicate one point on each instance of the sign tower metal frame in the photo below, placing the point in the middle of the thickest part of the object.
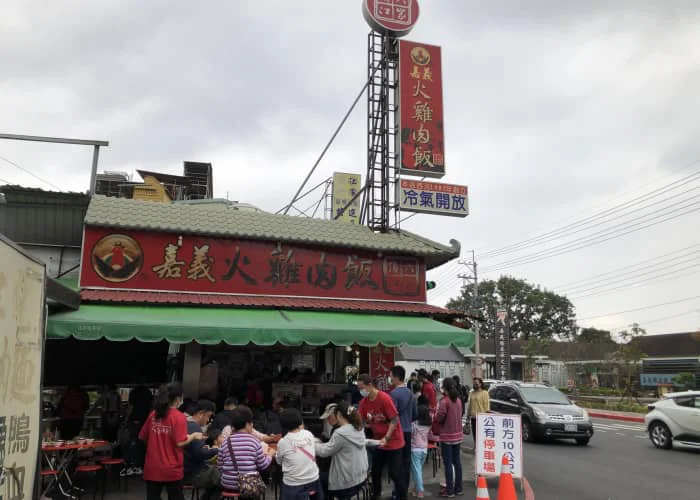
(383, 132)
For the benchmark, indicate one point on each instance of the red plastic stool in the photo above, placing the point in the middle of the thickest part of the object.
(110, 464)
(193, 489)
(93, 469)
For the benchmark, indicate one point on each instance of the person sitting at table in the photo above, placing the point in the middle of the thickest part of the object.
(198, 471)
(346, 448)
(165, 434)
(296, 455)
(223, 418)
(243, 448)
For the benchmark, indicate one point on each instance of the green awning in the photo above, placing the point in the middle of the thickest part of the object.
(256, 326)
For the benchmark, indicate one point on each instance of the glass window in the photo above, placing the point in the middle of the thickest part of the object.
(687, 401)
(546, 395)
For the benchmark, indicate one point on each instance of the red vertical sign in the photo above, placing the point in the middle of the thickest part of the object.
(381, 361)
(421, 109)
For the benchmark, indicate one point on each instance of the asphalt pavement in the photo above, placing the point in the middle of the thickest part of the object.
(620, 463)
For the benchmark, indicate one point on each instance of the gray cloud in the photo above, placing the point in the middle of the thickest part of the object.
(554, 109)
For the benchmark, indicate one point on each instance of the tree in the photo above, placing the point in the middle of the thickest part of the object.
(629, 355)
(685, 380)
(594, 336)
(533, 347)
(532, 311)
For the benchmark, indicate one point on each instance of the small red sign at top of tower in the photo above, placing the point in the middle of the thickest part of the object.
(392, 17)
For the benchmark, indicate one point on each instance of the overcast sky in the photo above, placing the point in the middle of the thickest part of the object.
(554, 111)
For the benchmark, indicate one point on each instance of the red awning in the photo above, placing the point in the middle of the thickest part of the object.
(266, 302)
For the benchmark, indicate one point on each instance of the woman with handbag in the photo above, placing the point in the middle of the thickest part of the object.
(448, 421)
(241, 457)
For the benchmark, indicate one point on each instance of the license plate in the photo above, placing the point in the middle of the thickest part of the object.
(570, 427)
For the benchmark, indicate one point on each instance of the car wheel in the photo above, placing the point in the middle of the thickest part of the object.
(528, 436)
(582, 441)
(660, 435)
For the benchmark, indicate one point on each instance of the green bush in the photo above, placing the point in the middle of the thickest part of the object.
(596, 405)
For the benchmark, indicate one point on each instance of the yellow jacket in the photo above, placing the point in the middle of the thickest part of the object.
(478, 403)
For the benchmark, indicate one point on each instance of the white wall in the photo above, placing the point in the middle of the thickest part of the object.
(462, 370)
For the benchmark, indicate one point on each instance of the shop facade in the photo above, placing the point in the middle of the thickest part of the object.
(249, 296)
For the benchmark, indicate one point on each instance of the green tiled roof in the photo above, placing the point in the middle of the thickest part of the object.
(225, 220)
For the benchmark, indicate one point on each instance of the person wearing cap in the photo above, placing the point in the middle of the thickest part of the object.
(330, 422)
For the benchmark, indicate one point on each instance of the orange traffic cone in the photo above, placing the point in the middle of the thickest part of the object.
(506, 487)
(482, 490)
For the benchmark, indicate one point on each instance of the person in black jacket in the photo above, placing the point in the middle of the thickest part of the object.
(198, 470)
(224, 417)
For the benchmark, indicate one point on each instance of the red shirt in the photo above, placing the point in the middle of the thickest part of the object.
(164, 458)
(378, 414)
(429, 394)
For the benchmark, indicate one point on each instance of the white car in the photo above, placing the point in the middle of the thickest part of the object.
(675, 418)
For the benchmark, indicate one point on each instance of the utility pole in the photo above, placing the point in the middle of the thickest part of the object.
(466, 278)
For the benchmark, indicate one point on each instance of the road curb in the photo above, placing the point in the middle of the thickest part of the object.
(613, 416)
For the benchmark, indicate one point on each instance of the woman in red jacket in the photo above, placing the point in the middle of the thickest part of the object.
(449, 419)
(165, 434)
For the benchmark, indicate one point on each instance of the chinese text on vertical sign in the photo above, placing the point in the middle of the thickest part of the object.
(345, 187)
(496, 436)
(502, 341)
(381, 362)
(422, 126)
(21, 344)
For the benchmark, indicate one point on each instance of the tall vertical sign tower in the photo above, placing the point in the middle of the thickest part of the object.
(389, 20)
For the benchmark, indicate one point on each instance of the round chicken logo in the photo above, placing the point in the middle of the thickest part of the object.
(117, 258)
(420, 56)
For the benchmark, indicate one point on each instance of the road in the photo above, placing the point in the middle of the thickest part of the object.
(620, 463)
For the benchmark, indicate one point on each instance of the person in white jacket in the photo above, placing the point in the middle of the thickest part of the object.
(346, 448)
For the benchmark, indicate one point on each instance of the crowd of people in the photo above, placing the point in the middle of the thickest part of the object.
(185, 442)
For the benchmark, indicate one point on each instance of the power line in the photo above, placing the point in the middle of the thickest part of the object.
(661, 278)
(658, 320)
(622, 278)
(617, 270)
(644, 308)
(30, 173)
(601, 236)
(587, 220)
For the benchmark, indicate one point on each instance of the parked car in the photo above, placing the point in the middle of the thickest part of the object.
(545, 411)
(675, 418)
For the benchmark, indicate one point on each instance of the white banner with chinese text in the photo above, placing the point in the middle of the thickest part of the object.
(432, 198)
(21, 347)
(498, 435)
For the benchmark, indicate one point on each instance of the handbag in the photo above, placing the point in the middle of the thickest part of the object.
(435, 428)
(249, 485)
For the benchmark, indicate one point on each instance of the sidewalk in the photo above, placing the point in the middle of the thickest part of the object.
(137, 490)
(617, 415)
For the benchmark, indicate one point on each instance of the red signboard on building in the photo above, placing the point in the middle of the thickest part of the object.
(136, 260)
(381, 361)
(422, 125)
(393, 17)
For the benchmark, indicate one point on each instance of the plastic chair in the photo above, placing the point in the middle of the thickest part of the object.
(93, 469)
(194, 495)
(110, 464)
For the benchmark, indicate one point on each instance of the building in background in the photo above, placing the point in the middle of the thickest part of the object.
(196, 183)
(448, 360)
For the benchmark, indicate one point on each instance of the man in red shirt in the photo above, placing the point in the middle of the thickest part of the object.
(428, 390)
(379, 414)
